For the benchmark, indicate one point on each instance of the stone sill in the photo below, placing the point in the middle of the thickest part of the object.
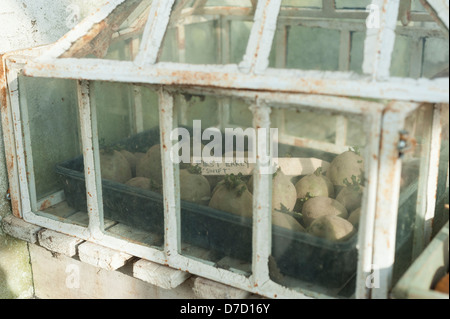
(121, 267)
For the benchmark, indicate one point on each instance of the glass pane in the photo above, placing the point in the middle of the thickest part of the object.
(420, 50)
(442, 198)
(121, 36)
(130, 161)
(316, 200)
(302, 3)
(417, 126)
(216, 33)
(312, 40)
(216, 204)
(49, 110)
(352, 4)
(417, 6)
(228, 3)
(357, 51)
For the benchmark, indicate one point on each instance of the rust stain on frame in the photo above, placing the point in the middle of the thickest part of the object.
(8, 136)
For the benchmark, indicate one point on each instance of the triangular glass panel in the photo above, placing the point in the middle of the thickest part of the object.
(421, 46)
(208, 31)
(117, 37)
(332, 39)
(318, 35)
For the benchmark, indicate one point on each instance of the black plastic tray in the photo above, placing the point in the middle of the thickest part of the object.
(297, 255)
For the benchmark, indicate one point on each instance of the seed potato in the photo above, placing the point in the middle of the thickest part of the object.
(333, 228)
(140, 182)
(344, 166)
(232, 196)
(286, 221)
(194, 187)
(355, 217)
(114, 166)
(317, 207)
(350, 197)
(131, 159)
(315, 184)
(150, 165)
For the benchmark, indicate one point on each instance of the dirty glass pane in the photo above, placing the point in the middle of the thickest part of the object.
(352, 4)
(310, 39)
(121, 36)
(417, 6)
(302, 3)
(317, 193)
(357, 51)
(414, 162)
(214, 33)
(420, 50)
(49, 111)
(130, 162)
(216, 204)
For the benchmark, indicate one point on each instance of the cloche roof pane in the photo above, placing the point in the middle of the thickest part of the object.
(115, 38)
(207, 32)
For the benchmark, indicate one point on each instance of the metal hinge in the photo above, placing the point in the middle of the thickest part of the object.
(406, 143)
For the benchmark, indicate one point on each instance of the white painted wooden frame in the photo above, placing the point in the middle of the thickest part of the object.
(252, 73)
(170, 255)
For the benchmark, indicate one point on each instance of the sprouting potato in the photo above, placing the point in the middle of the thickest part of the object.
(315, 184)
(114, 166)
(333, 228)
(344, 166)
(194, 187)
(286, 221)
(150, 165)
(317, 207)
(232, 196)
(284, 195)
(355, 217)
(350, 197)
(140, 182)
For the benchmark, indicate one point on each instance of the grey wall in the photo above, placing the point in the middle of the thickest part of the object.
(25, 24)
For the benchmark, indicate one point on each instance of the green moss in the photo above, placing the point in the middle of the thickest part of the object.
(15, 269)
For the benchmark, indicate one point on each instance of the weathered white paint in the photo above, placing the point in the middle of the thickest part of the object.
(379, 43)
(388, 192)
(102, 257)
(208, 289)
(262, 203)
(58, 242)
(18, 228)
(154, 31)
(256, 58)
(159, 275)
(274, 80)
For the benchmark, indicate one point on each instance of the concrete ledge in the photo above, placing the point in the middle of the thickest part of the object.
(208, 289)
(69, 251)
(62, 277)
(102, 257)
(159, 275)
(18, 228)
(58, 242)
